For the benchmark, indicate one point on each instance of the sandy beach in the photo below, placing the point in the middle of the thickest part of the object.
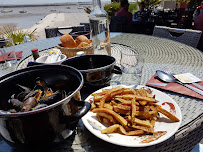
(39, 18)
(57, 20)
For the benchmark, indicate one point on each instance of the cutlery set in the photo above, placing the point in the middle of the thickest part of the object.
(170, 78)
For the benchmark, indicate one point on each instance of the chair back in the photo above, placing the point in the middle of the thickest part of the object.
(54, 32)
(118, 24)
(186, 36)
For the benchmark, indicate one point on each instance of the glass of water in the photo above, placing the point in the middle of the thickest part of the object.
(7, 50)
(132, 62)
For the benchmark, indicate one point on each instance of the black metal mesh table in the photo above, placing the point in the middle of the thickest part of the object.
(164, 55)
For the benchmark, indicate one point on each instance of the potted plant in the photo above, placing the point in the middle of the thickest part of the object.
(182, 3)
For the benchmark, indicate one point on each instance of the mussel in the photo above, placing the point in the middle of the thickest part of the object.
(41, 85)
(39, 97)
(29, 104)
(15, 103)
(39, 106)
(25, 91)
(52, 98)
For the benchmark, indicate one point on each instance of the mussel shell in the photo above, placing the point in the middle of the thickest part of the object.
(29, 104)
(22, 95)
(12, 111)
(23, 88)
(57, 96)
(40, 106)
(16, 104)
(41, 85)
(31, 94)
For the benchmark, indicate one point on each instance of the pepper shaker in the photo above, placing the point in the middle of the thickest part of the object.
(35, 53)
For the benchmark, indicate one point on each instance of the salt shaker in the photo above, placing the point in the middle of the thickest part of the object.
(35, 53)
(80, 53)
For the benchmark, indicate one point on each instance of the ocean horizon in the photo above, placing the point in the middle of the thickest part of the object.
(43, 2)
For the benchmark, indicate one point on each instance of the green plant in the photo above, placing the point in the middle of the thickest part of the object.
(150, 4)
(11, 31)
(183, 1)
(112, 8)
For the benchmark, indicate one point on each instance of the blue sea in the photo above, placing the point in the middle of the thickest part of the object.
(42, 2)
(36, 10)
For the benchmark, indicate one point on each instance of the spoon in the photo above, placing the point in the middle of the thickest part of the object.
(169, 78)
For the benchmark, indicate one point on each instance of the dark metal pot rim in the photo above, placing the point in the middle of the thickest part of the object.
(95, 69)
(3, 114)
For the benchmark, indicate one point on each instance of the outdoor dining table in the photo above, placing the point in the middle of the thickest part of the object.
(161, 54)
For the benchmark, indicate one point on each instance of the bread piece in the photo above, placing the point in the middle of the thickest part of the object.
(81, 38)
(67, 41)
(83, 44)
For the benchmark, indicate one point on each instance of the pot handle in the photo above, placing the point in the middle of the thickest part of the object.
(86, 106)
(117, 70)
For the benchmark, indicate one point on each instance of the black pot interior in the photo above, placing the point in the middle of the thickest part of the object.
(57, 78)
(87, 62)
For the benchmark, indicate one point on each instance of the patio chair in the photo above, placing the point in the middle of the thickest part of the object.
(186, 36)
(87, 26)
(54, 32)
(118, 24)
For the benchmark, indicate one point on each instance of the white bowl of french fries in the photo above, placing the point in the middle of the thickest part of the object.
(156, 116)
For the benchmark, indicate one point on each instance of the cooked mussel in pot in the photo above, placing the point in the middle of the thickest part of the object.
(32, 99)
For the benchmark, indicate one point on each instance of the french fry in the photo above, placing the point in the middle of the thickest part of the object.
(130, 112)
(105, 115)
(113, 103)
(93, 106)
(98, 98)
(121, 111)
(167, 114)
(128, 91)
(140, 98)
(146, 129)
(135, 133)
(141, 122)
(109, 95)
(126, 96)
(110, 129)
(133, 110)
(119, 118)
(122, 130)
(107, 121)
(126, 102)
(124, 107)
(143, 103)
(107, 105)
(105, 98)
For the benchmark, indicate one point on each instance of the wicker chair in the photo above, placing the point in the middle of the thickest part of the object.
(54, 32)
(186, 36)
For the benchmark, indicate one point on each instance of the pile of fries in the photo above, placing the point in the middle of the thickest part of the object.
(129, 112)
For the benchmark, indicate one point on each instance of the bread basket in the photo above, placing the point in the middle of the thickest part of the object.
(71, 52)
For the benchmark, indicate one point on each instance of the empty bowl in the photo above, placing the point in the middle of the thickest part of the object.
(42, 59)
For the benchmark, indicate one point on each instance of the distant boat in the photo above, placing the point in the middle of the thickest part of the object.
(6, 11)
(80, 7)
(67, 7)
(53, 10)
(22, 11)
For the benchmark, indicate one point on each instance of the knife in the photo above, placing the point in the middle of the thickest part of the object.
(198, 86)
(192, 88)
(158, 84)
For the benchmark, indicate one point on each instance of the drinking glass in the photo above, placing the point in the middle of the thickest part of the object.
(132, 62)
(7, 50)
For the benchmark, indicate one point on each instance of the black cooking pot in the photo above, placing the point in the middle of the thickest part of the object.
(97, 70)
(49, 124)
